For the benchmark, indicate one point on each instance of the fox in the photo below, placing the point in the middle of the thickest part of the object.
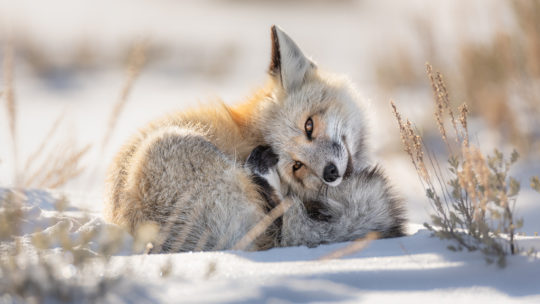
(205, 177)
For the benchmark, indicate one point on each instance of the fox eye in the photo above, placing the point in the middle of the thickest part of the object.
(309, 127)
(297, 165)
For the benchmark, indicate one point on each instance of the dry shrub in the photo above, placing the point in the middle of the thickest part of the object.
(473, 200)
(31, 271)
(28, 271)
(60, 165)
(69, 260)
(500, 78)
(53, 163)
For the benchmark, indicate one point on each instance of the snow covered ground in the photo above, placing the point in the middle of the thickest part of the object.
(411, 269)
(221, 48)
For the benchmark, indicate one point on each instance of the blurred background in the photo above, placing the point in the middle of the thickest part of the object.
(80, 76)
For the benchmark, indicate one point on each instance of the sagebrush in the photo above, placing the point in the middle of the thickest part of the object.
(498, 76)
(473, 197)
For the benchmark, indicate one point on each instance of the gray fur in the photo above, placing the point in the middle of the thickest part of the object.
(185, 173)
(362, 203)
(199, 197)
(345, 124)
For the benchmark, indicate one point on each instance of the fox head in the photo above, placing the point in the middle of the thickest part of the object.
(314, 122)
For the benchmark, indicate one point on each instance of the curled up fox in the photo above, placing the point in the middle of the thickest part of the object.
(208, 177)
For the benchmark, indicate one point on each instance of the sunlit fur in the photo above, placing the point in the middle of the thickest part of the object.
(185, 173)
(338, 135)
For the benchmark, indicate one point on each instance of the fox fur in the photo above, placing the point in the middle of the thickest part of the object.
(185, 173)
(364, 202)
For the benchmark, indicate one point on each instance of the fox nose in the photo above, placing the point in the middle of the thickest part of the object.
(330, 173)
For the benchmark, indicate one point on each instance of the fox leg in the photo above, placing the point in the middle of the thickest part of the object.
(262, 163)
(200, 198)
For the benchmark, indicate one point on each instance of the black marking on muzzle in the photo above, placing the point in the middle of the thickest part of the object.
(336, 148)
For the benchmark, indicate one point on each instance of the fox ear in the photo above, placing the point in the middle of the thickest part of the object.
(288, 63)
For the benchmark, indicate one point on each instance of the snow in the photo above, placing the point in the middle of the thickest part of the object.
(409, 269)
(412, 268)
(349, 37)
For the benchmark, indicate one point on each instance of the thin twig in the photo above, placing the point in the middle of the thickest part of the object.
(43, 145)
(11, 106)
(354, 247)
(261, 226)
(136, 61)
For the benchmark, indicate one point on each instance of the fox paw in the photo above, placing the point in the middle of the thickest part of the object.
(262, 163)
(261, 160)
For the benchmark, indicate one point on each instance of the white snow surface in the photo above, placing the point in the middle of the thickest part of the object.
(416, 268)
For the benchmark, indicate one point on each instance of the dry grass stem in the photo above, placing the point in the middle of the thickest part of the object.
(356, 246)
(60, 166)
(262, 225)
(402, 131)
(439, 107)
(43, 145)
(442, 104)
(411, 144)
(162, 235)
(9, 90)
(31, 270)
(445, 101)
(11, 106)
(136, 61)
(463, 113)
(69, 169)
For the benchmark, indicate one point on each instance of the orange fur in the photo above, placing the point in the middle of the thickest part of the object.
(232, 129)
